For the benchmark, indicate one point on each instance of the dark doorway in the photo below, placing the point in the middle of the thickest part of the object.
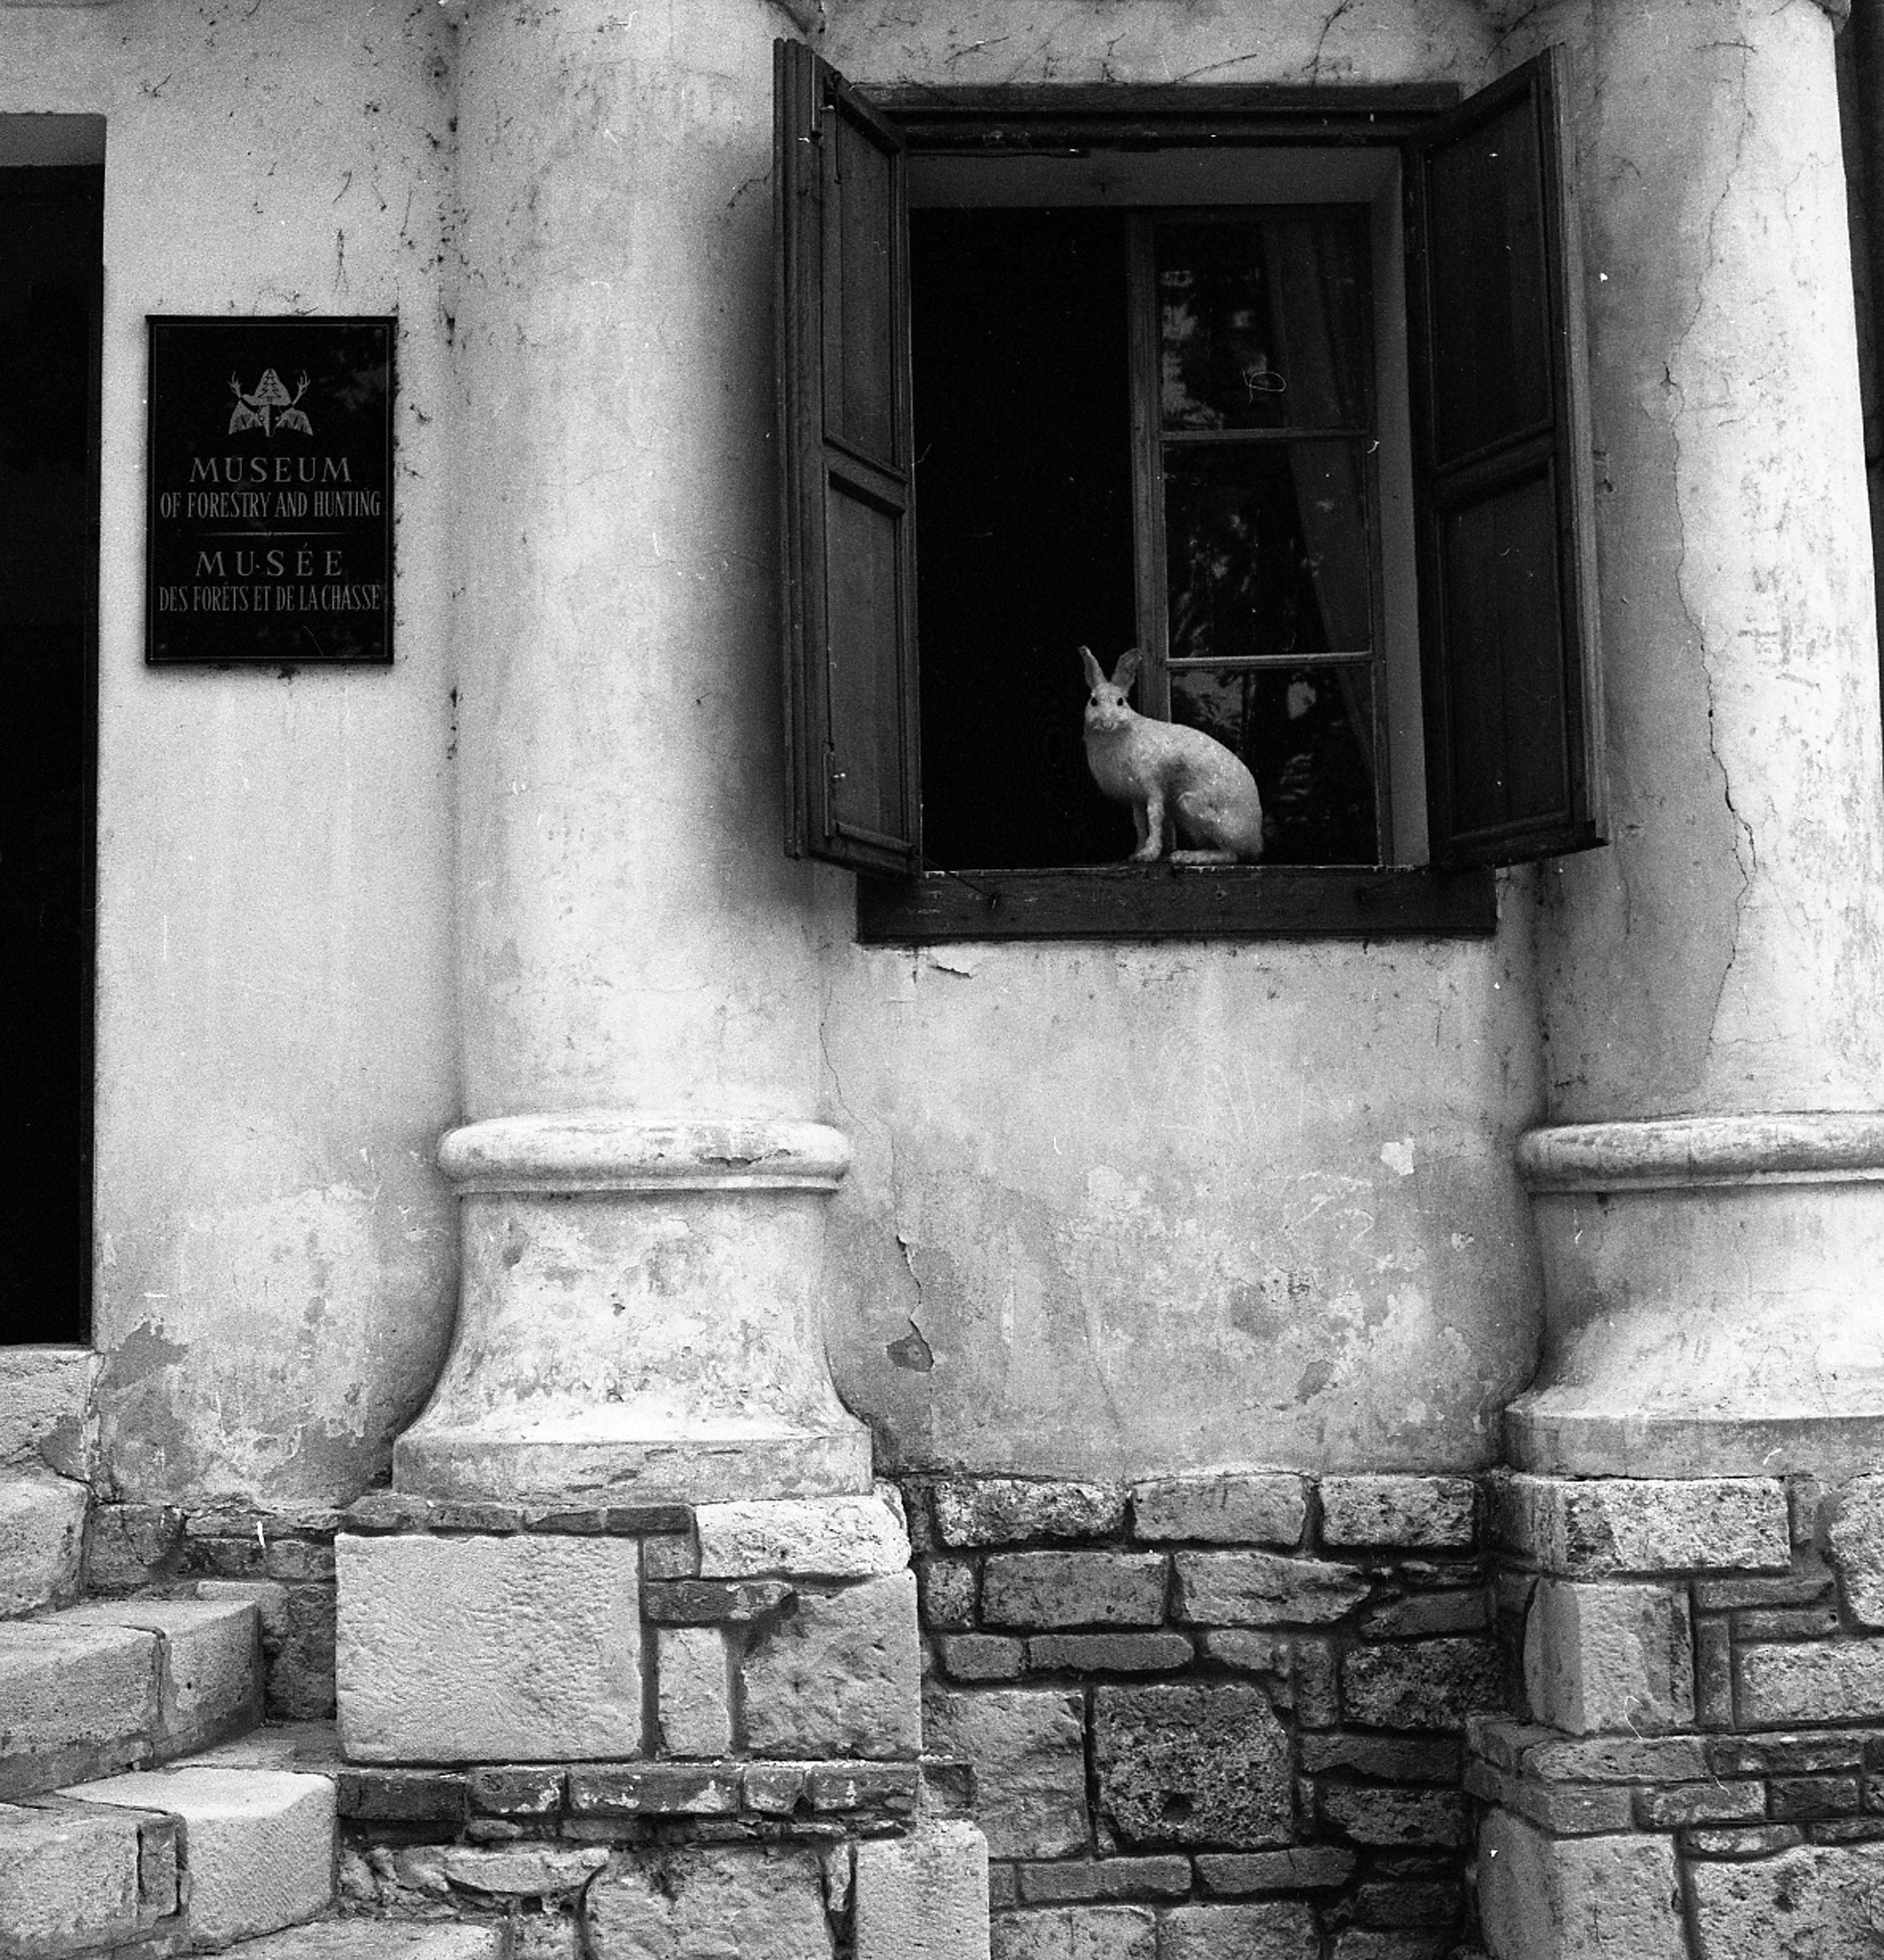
(51, 261)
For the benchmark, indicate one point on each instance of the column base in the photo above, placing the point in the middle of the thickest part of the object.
(639, 1319)
(1711, 1297)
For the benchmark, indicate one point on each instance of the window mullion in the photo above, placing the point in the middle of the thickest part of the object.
(1147, 470)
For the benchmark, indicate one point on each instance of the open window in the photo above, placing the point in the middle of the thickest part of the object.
(1283, 390)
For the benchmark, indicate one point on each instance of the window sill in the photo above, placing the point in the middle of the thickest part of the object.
(1174, 902)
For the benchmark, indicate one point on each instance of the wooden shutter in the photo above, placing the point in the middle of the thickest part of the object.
(1502, 478)
(847, 549)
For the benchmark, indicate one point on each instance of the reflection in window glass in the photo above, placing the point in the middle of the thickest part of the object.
(1262, 322)
(1266, 550)
(1306, 734)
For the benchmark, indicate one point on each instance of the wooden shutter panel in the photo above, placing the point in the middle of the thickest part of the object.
(848, 548)
(1502, 478)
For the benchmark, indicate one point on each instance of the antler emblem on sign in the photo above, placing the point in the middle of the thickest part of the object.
(259, 409)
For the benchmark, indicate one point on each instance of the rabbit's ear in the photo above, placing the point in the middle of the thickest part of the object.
(1095, 673)
(1127, 670)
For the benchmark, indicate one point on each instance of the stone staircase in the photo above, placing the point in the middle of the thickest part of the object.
(143, 1812)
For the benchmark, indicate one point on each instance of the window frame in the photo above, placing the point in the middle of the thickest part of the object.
(1161, 900)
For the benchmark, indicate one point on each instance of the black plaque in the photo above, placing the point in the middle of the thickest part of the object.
(270, 531)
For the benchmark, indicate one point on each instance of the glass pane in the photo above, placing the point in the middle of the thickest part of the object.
(1263, 322)
(1306, 734)
(1266, 550)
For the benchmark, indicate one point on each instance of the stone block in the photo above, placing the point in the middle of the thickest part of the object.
(523, 1871)
(982, 1656)
(1263, 1588)
(950, 1589)
(1809, 1752)
(1028, 1749)
(523, 1648)
(1007, 1510)
(1624, 1759)
(1109, 1653)
(1192, 1765)
(1228, 1508)
(1422, 1684)
(130, 1545)
(1387, 1816)
(257, 1844)
(298, 1639)
(1701, 1803)
(924, 1897)
(1805, 1799)
(1301, 1868)
(1582, 1898)
(1074, 1589)
(1464, 1610)
(1809, 1581)
(1857, 1540)
(1276, 1929)
(671, 1555)
(405, 1797)
(1739, 1840)
(813, 1538)
(694, 1691)
(500, 1790)
(1816, 1680)
(1787, 1623)
(1571, 1809)
(682, 1904)
(1390, 1758)
(1612, 1656)
(1431, 1902)
(1713, 1673)
(890, 1788)
(1429, 1513)
(837, 1674)
(42, 1541)
(1076, 1933)
(713, 1602)
(1072, 1881)
(209, 1663)
(1816, 1902)
(654, 1789)
(1364, 1943)
(1252, 1652)
(1600, 1527)
(70, 1881)
(773, 1790)
(75, 1700)
(45, 1422)
(380, 1939)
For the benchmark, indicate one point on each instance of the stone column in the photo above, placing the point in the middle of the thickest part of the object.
(641, 1186)
(1707, 1189)
(1689, 1538)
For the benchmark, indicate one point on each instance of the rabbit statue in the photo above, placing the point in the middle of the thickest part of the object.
(1179, 780)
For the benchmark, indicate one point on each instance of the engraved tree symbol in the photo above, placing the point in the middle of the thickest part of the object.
(257, 411)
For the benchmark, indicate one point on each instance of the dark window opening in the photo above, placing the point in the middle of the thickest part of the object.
(51, 255)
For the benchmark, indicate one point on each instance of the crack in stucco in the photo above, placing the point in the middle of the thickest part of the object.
(1746, 856)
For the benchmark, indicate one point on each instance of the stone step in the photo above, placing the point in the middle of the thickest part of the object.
(42, 1541)
(192, 1858)
(254, 1847)
(123, 1684)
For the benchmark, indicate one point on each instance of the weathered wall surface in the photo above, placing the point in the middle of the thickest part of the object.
(1124, 1209)
(276, 1043)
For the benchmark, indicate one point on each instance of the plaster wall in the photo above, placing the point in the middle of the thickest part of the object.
(1119, 1209)
(275, 1052)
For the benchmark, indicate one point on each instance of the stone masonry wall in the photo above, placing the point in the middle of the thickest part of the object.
(282, 1559)
(1699, 1771)
(1212, 1717)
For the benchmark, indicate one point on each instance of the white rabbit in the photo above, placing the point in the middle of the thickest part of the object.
(1179, 780)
